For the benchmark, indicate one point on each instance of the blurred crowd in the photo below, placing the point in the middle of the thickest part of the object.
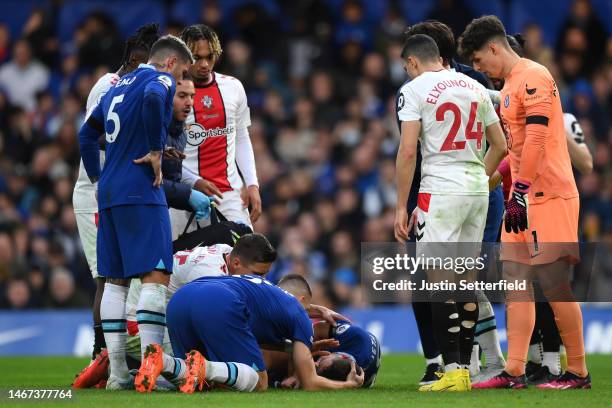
(321, 90)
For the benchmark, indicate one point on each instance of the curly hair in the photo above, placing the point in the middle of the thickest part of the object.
(143, 40)
(478, 33)
(517, 43)
(441, 34)
(197, 32)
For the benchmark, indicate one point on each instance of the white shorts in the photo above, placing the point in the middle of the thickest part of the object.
(448, 219)
(231, 207)
(88, 231)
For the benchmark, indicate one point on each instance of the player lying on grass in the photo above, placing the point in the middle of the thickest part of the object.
(226, 318)
(334, 351)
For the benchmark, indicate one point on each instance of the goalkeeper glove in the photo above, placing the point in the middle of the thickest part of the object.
(200, 204)
(516, 218)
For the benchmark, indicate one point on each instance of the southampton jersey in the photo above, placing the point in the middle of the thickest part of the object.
(84, 199)
(219, 109)
(197, 263)
(454, 111)
(125, 118)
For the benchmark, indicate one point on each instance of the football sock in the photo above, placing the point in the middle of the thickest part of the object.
(151, 315)
(422, 316)
(552, 360)
(521, 319)
(468, 314)
(535, 353)
(238, 376)
(446, 325)
(475, 360)
(569, 321)
(174, 368)
(486, 332)
(436, 360)
(99, 342)
(112, 313)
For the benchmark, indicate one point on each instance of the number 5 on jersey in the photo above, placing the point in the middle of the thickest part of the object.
(470, 134)
(114, 117)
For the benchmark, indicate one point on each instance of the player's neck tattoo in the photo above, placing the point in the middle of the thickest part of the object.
(157, 65)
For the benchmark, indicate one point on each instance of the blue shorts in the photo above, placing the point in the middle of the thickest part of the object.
(494, 215)
(212, 318)
(134, 240)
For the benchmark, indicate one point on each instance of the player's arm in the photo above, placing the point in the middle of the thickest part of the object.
(498, 148)
(405, 165)
(245, 157)
(579, 152)
(88, 141)
(309, 379)
(156, 94)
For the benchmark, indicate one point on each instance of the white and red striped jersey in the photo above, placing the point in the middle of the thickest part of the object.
(196, 263)
(219, 110)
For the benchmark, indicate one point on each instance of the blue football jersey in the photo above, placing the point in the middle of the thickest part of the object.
(274, 314)
(131, 127)
(357, 342)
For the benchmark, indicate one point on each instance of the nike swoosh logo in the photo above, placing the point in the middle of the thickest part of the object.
(11, 336)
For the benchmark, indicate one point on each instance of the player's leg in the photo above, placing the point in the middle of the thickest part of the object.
(87, 224)
(145, 236)
(436, 226)
(550, 367)
(112, 306)
(222, 333)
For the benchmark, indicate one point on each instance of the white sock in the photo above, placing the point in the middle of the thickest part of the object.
(238, 376)
(174, 368)
(552, 360)
(112, 313)
(151, 315)
(486, 332)
(167, 346)
(435, 360)
(474, 366)
(535, 353)
(451, 367)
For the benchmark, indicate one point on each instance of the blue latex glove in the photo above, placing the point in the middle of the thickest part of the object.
(200, 204)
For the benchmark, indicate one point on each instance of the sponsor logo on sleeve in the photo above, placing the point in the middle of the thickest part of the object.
(165, 81)
(400, 101)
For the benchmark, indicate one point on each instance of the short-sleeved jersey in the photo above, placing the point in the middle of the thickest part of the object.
(84, 199)
(197, 263)
(121, 111)
(357, 342)
(219, 109)
(274, 314)
(454, 111)
(528, 85)
(573, 128)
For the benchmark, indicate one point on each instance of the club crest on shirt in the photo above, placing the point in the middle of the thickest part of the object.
(207, 101)
(507, 101)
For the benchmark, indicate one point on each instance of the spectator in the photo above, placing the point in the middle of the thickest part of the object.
(23, 77)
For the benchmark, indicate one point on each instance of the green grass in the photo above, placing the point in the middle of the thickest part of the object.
(395, 386)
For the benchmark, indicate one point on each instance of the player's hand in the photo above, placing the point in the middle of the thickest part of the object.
(401, 225)
(209, 189)
(355, 377)
(321, 312)
(174, 154)
(290, 383)
(516, 218)
(154, 159)
(320, 353)
(200, 204)
(324, 344)
(253, 199)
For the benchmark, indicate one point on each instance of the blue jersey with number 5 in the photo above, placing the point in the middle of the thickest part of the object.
(134, 116)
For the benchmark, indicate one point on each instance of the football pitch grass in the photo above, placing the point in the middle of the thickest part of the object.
(395, 386)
